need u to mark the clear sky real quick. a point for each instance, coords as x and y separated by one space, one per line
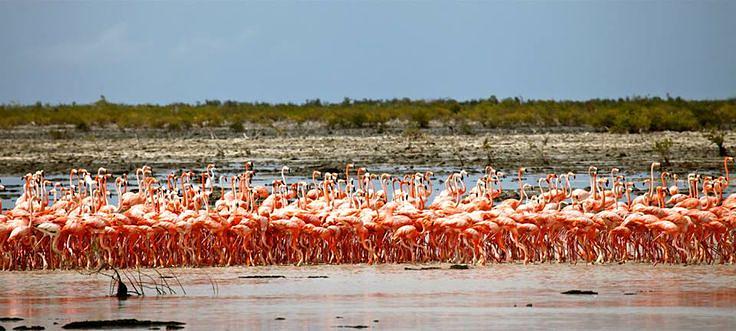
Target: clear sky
164 52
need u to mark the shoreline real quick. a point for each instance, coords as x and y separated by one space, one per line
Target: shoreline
60 148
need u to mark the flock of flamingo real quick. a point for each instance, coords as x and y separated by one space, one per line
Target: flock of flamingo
363 218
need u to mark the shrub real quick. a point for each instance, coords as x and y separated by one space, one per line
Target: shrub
174 127
59 134
466 129
357 119
82 126
717 137
620 115
237 127
663 148
412 132
421 118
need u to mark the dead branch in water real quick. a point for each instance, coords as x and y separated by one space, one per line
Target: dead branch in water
138 281
215 286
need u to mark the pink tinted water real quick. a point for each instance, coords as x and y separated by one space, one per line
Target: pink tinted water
389 297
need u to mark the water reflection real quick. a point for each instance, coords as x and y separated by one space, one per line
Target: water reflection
663 297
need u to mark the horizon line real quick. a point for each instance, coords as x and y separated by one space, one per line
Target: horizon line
319 101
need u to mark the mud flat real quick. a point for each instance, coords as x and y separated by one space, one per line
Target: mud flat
57 149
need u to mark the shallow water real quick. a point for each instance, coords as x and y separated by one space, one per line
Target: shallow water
14 184
664 297
484 297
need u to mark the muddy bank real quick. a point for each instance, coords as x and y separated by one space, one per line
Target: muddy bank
56 149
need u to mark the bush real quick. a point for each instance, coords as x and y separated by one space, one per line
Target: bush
357 119
237 127
466 129
620 115
412 132
717 137
82 126
59 134
173 127
421 118
663 148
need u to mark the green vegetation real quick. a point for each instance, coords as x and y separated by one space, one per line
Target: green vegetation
664 149
620 115
237 127
717 137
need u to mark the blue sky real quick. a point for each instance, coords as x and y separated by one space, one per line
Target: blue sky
164 52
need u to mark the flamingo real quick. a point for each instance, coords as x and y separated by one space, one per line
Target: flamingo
334 220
